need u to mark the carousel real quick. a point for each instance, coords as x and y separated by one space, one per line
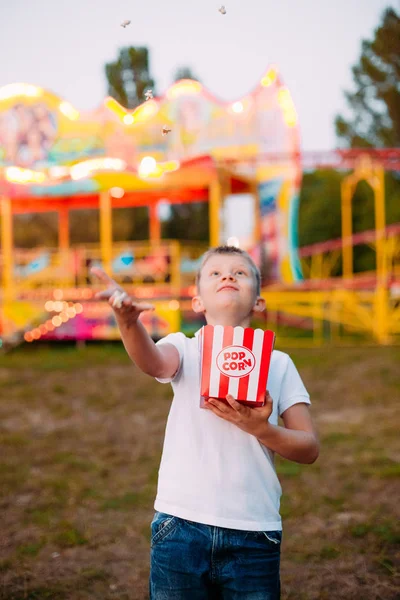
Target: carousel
183 147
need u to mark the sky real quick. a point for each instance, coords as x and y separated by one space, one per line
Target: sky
63 45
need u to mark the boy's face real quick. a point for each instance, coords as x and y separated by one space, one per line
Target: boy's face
227 293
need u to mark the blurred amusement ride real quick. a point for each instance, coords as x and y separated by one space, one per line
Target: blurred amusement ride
241 157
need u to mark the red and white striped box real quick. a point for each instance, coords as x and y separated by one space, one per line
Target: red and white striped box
234 360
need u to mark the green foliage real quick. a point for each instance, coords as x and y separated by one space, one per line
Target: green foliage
125 502
184 73
5 565
40 593
328 552
31 549
94 574
319 215
187 222
129 76
375 103
65 358
69 536
288 468
128 224
320 211
385 532
32 230
131 223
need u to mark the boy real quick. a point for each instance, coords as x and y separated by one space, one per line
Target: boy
217 532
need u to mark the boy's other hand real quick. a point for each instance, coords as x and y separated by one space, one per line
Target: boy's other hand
122 304
251 420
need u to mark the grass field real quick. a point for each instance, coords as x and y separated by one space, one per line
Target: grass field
81 432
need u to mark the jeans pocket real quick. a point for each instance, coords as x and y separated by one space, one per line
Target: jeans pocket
275 537
161 526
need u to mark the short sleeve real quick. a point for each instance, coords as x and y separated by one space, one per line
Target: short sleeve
177 340
293 389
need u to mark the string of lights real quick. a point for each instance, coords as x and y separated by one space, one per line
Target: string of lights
64 312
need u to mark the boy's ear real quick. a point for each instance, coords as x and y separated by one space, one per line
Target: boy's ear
259 305
197 304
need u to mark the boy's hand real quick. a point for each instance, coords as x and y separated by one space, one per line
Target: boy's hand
123 305
251 420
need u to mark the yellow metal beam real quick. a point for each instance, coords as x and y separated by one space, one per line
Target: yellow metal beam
63 228
155 224
7 248
374 175
347 228
257 214
214 212
175 252
378 186
106 231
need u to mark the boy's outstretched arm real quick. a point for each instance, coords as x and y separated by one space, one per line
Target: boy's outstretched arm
163 361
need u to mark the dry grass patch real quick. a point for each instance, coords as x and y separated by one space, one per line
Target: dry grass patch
81 433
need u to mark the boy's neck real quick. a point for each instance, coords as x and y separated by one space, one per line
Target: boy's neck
228 321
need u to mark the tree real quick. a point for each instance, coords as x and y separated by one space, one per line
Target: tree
320 212
319 215
185 73
375 105
128 77
376 100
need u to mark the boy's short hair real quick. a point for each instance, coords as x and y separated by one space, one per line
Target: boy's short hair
230 250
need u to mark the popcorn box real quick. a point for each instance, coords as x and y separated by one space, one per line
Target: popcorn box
234 360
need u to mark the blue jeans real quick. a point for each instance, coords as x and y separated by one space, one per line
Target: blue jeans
191 561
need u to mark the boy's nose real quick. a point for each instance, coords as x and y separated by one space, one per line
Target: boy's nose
230 276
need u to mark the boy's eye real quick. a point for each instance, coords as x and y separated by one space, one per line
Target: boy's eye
215 273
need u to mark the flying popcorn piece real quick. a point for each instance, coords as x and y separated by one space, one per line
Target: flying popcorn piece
165 130
125 24
149 94
222 10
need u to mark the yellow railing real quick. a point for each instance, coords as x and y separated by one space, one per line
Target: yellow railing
169 265
334 316
301 317
325 264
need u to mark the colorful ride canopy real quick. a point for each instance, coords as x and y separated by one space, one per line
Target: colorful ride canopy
49 149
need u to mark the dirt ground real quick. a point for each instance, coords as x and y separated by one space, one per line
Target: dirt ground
81 433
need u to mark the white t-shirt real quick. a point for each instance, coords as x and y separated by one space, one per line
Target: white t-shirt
211 471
